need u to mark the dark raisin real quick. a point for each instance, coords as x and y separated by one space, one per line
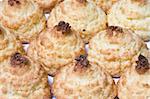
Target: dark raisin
12 2
63 27
142 64
112 29
81 62
18 59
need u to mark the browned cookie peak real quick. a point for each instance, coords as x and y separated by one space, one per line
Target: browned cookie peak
81 1
81 62
63 27
18 60
112 29
142 64
13 2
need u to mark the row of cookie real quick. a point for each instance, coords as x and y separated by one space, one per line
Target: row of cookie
23 77
114 51
89 19
85 80
26 20
20 76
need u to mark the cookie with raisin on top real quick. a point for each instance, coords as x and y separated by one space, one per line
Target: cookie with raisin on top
135 82
132 14
83 80
115 49
22 78
23 18
8 44
84 16
56 47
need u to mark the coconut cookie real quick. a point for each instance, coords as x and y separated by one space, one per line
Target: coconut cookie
135 82
132 14
8 44
115 49
83 16
22 78
56 47
83 80
23 17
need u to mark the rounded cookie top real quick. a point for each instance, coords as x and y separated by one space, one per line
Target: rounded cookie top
135 82
8 44
84 80
22 78
23 17
57 46
132 14
115 48
83 16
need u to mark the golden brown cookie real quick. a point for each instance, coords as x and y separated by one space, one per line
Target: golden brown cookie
132 14
104 4
83 80
135 82
56 47
47 5
115 49
83 16
22 78
8 44
23 17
